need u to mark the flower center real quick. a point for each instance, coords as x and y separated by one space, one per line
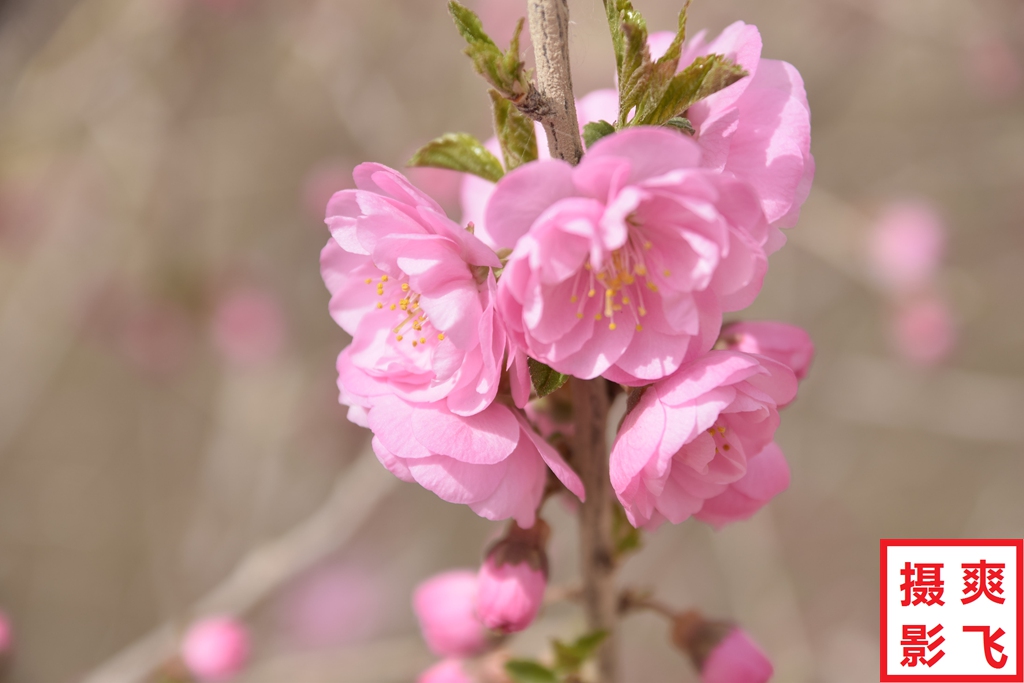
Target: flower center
719 433
413 323
624 280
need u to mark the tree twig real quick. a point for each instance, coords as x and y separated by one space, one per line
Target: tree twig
600 600
549 31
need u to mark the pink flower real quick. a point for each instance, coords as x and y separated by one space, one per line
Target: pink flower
6 634
216 649
510 595
492 461
767 476
924 330
690 435
787 344
623 264
446 608
248 326
906 246
445 671
736 659
414 290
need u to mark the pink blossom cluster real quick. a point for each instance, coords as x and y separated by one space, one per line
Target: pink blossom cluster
621 267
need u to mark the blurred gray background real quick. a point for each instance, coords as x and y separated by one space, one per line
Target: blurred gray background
163 160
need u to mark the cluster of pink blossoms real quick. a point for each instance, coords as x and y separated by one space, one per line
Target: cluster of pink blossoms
620 267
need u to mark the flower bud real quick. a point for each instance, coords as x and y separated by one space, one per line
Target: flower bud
215 649
446 671
446 608
513 578
721 651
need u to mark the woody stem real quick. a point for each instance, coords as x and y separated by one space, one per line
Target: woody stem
549 31
597 550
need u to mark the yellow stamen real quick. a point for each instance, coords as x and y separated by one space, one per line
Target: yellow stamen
380 305
611 326
392 307
667 273
369 280
579 315
383 278
440 337
726 447
573 299
597 317
625 301
591 293
642 311
639 327
399 338
405 286
651 286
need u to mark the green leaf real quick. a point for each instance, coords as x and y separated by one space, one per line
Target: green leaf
545 380
459 152
505 71
515 132
595 130
706 76
569 658
662 71
682 123
528 671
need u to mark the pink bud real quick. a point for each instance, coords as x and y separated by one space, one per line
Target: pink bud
216 649
906 245
6 635
510 595
248 326
787 344
446 608
924 331
446 671
736 659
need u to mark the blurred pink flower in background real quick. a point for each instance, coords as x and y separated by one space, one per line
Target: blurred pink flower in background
767 476
445 671
332 606
993 67
787 344
736 659
6 634
906 246
924 330
248 326
216 649
510 595
445 606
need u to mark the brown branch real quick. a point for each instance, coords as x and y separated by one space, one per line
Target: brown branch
600 600
556 109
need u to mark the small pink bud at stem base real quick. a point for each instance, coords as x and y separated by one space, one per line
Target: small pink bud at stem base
513 578
721 651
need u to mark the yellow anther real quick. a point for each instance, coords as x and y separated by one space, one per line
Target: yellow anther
579 315
591 293
667 273
611 326
628 279
597 316
640 269
625 301
392 307
405 286
647 244
399 338
369 280
423 340
380 305
651 286
726 447
440 336
383 278
380 289
639 327
601 276
414 342
642 311
573 299
586 266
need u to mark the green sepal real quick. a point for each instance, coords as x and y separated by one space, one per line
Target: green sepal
595 130
459 152
515 132
706 76
545 380
505 71
570 657
529 671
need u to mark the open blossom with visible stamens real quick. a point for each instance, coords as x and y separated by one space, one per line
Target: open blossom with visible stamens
690 435
622 265
415 291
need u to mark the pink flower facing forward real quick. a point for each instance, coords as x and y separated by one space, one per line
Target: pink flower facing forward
622 265
721 651
445 671
690 435
446 608
787 344
216 649
906 246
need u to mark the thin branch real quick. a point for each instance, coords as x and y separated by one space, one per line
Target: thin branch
600 601
264 569
549 31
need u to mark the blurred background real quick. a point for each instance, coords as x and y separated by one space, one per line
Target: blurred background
170 439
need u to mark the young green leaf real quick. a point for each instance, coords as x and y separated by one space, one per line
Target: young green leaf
505 71
706 76
595 130
545 380
459 152
515 132
569 658
528 671
662 70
